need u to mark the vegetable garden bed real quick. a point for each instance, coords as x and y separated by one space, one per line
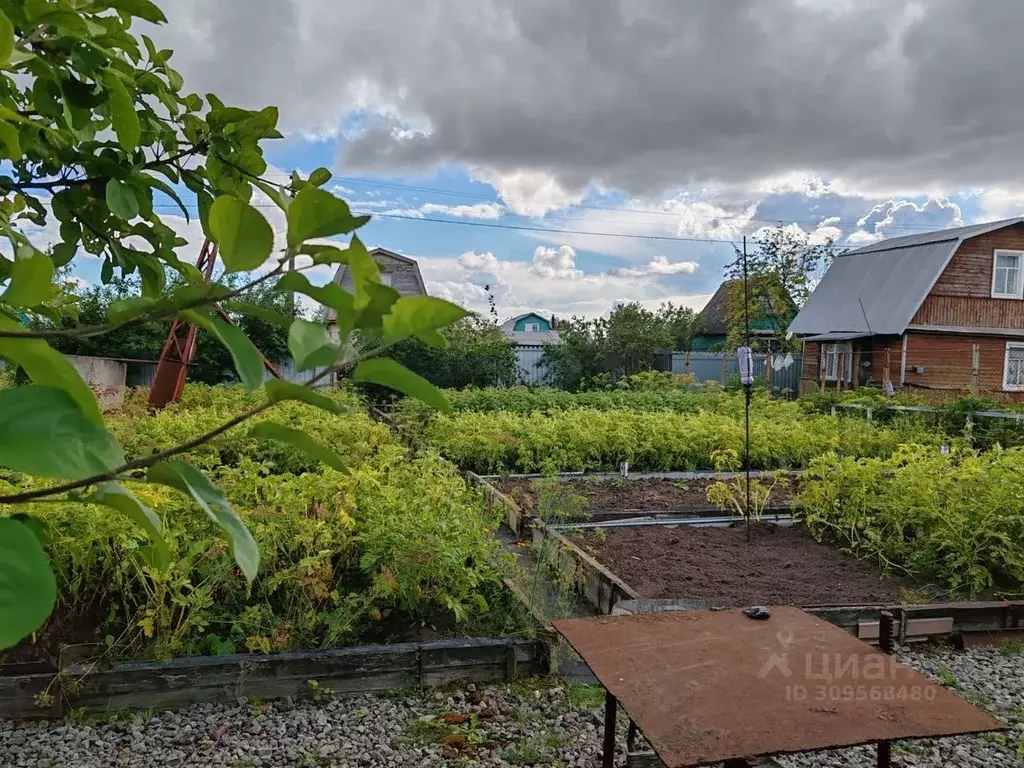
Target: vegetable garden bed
577 499
780 565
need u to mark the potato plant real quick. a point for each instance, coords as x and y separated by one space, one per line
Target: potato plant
956 519
347 556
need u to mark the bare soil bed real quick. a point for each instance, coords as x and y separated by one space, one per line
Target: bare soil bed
780 565
588 495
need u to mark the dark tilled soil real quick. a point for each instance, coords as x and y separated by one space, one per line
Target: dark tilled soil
647 495
781 565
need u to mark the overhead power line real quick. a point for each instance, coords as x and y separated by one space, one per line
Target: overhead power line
595 207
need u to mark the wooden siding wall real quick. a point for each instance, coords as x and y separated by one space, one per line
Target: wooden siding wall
404 275
962 296
947 362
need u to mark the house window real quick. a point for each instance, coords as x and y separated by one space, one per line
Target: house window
1013 367
832 353
533 327
1007 271
385 279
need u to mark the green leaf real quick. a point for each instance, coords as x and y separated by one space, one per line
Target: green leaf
189 480
116 496
274 193
267 315
325 254
144 9
168 190
123 310
381 370
44 432
319 177
41 530
31 279
28 591
416 315
47 367
9 139
330 295
311 345
279 390
315 213
295 437
121 200
244 236
7 39
364 271
248 360
122 114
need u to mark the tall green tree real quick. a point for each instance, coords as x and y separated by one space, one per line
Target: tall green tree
626 342
782 267
95 127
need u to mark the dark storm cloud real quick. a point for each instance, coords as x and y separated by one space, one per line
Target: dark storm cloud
641 95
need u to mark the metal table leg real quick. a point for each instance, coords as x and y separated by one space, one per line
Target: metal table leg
884 754
887 644
610 709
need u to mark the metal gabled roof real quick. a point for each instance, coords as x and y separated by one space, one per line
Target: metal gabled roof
877 289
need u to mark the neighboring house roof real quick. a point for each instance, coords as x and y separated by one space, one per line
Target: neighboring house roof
510 324
713 319
382 255
532 338
878 288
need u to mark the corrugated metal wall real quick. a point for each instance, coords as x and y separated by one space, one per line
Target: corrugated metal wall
142 374
529 367
709 366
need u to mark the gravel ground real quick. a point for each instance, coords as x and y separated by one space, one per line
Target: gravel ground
533 722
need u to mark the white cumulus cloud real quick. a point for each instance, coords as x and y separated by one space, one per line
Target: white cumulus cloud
559 263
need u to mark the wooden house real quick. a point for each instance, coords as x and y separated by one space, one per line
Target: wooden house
941 312
397 271
767 322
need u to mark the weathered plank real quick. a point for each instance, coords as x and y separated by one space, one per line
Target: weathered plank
181 682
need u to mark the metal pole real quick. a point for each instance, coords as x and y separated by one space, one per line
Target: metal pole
610 706
747 388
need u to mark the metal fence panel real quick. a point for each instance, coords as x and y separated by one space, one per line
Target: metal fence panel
142 374
528 365
716 366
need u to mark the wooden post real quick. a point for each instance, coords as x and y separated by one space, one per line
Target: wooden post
975 368
840 371
821 367
886 376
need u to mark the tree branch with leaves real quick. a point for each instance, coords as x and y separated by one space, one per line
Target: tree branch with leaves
94 125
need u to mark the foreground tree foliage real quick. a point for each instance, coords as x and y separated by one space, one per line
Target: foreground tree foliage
94 125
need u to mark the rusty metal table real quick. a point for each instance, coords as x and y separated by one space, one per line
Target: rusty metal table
708 687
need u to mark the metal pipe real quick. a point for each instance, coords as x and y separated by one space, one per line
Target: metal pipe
696 522
887 645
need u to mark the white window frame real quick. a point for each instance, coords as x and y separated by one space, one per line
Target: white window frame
830 350
1019 294
532 327
388 279
1007 386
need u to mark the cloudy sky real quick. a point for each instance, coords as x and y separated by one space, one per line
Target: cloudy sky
574 153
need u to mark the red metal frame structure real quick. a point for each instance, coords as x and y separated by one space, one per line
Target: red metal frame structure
178 351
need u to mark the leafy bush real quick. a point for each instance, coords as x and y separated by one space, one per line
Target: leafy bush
348 556
956 519
590 439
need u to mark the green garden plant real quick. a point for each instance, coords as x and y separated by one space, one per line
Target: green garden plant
94 125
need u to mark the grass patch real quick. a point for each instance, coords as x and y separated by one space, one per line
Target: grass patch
428 731
1012 648
584 696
